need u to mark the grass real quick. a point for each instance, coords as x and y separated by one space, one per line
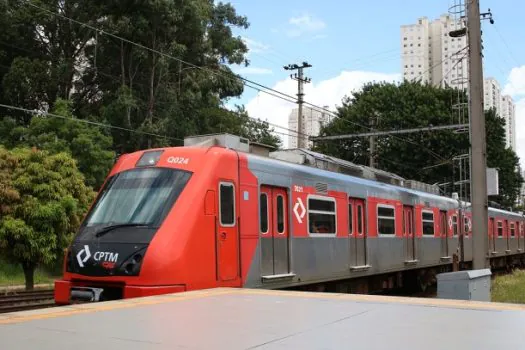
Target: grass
11 274
509 288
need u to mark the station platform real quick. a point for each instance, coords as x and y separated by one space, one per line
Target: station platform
265 319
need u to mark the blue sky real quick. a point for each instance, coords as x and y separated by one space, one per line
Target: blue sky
361 38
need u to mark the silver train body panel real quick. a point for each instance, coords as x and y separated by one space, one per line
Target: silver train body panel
285 262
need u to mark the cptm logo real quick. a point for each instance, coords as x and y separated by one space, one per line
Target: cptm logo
108 259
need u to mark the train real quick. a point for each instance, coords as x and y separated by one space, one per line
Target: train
223 212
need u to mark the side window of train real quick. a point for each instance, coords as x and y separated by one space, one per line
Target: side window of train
350 218
321 215
386 220
263 207
227 204
500 229
360 219
428 222
280 214
512 229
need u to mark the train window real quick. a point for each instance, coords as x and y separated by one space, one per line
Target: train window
465 224
386 220
512 229
263 215
350 219
280 214
321 215
500 229
428 222
227 204
359 218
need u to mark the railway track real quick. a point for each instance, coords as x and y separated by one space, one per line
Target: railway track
26 300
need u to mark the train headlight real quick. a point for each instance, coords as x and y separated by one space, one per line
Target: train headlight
149 158
131 266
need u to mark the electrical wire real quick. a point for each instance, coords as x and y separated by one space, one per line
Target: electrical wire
34 112
246 81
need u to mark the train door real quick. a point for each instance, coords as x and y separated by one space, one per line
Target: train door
227 234
443 225
492 236
409 233
357 232
274 231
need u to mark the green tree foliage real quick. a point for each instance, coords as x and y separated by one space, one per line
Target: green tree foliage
424 156
90 147
44 198
121 82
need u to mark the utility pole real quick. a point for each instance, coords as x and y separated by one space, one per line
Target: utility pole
301 80
478 167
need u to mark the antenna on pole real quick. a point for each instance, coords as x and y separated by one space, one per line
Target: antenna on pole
301 80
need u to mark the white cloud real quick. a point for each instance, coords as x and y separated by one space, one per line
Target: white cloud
520 130
303 24
255 46
515 82
329 93
253 71
515 87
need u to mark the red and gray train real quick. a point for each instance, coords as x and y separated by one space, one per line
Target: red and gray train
196 217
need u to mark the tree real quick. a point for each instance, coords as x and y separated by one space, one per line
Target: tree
502 158
424 156
142 89
46 200
237 122
89 145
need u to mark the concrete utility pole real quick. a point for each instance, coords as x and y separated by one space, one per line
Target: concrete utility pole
478 167
301 80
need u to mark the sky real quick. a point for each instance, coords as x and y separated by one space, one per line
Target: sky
349 43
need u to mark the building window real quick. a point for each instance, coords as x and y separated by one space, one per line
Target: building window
386 220
227 204
428 223
321 215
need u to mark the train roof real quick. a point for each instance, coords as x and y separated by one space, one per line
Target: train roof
379 180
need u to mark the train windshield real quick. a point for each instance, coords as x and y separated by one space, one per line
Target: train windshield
139 196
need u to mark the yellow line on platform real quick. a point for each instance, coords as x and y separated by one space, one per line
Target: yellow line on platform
69 310
24 316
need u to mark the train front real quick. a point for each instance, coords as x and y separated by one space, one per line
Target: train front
111 256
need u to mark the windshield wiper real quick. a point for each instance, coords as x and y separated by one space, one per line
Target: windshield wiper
106 229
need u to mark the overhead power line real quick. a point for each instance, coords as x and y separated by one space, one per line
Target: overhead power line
247 82
389 132
38 112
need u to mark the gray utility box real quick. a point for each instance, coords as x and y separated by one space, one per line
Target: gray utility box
465 285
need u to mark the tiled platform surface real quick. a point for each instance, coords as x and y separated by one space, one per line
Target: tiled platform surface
262 319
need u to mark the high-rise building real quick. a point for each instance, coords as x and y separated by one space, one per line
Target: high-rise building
508 113
312 121
430 54
492 95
